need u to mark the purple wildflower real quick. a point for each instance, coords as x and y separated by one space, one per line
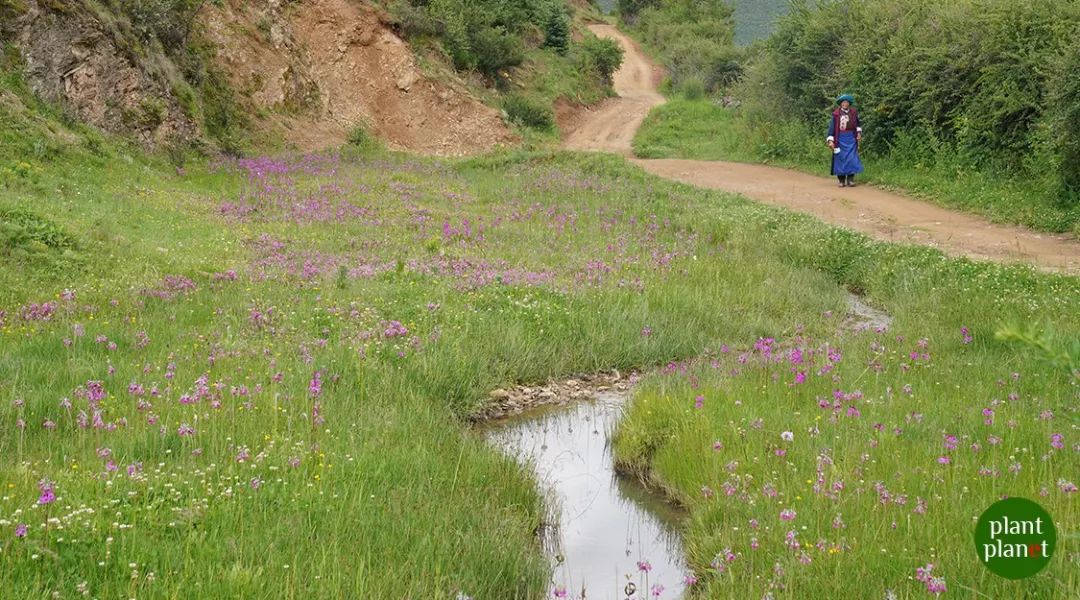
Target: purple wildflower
48 495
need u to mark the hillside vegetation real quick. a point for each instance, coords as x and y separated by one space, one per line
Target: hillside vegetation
973 103
692 39
233 76
533 52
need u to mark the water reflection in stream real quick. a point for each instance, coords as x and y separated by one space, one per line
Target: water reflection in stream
612 535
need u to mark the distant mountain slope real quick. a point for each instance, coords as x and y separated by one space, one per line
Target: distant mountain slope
755 19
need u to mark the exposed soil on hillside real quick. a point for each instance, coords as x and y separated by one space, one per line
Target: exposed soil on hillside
873 211
317 69
308 71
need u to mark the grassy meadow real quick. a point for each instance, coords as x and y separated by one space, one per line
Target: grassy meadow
813 466
254 377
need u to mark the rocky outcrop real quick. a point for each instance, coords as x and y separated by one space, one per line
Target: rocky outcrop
505 402
75 58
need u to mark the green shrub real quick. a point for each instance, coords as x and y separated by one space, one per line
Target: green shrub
485 36
363 140
168 21
23 170
148 115
222 118
693 39
457 42
692 89
23 228
1065 102
177 149
715 65
496 49
358 136
413 19
600 58
628 9
528 112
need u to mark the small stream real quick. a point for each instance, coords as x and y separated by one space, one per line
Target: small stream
608 537
605 524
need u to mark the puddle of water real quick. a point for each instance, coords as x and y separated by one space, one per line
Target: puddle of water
605 523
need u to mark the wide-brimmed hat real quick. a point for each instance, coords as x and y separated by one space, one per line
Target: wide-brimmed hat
847 97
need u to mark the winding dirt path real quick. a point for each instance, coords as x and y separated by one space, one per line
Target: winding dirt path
610 128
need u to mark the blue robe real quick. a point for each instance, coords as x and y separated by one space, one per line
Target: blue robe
845 162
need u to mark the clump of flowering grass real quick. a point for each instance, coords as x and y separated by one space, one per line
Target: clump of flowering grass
882 458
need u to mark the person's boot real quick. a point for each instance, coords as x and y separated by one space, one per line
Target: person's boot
851 181
842 179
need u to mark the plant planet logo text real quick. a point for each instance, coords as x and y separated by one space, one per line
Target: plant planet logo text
1015 538
1005 528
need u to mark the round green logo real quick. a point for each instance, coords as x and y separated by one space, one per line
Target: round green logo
1015 538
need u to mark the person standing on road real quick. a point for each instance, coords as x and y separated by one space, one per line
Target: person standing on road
844 137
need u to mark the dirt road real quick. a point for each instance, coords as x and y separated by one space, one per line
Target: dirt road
611 126
878 213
